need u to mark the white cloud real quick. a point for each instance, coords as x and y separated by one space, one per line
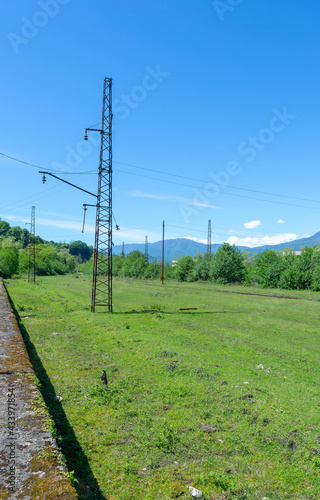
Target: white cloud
61 224
173 198
252 224
127 234
197 240
54 214
135 236
265 240
280 221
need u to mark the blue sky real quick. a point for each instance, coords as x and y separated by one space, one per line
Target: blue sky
216 116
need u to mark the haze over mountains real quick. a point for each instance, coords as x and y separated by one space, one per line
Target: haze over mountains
176 248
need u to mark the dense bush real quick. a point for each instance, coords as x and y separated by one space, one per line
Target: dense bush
184 267
134 265
50 260
228 265
80 250
286 270
9 261
202 268
268 268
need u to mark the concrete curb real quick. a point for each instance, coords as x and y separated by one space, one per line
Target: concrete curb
31 466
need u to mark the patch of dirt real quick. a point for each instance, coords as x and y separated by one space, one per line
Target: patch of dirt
209 428
172 366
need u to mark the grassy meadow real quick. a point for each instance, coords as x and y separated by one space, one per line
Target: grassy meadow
224 396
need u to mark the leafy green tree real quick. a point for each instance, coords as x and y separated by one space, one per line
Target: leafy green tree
25 238
168 271
268 268
202 267
228 265
65 258
134 265
117 261
184 267
87 267
315 262
9 261
262 265
23 260
15 232
80 249
4 227
38 240
300 274
153 271
10 242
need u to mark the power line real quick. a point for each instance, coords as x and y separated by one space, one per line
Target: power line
206 182
89 172
5 207
225 194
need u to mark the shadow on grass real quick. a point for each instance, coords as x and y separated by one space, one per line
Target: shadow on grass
75 457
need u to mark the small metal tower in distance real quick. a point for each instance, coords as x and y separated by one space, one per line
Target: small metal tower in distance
146 252
122 251
209 237
162 265
102 263
32 248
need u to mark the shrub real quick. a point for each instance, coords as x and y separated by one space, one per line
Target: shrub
9 261
183 269
228 265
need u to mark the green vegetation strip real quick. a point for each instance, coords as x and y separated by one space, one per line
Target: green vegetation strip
223 397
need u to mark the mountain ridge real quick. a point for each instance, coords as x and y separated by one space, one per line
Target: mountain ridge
177 247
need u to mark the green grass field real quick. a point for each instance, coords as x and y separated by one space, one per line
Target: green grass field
186 403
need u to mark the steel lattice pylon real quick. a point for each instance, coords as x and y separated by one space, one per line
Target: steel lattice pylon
209 237
102 263
32 247
146 253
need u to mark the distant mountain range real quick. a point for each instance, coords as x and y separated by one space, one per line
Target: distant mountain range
178 247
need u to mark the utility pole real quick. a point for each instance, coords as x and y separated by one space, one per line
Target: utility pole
162 273
209 237
102 260
122 253
32 248
146 253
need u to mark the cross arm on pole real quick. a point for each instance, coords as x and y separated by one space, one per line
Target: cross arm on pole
63 180
92 129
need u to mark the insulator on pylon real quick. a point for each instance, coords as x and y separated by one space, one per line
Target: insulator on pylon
84 216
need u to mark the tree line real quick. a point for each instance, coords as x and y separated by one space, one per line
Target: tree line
51 258
270 269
